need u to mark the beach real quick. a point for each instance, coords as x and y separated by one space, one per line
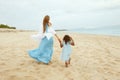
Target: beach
94 57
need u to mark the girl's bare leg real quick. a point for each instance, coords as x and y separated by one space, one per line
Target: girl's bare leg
66 64
69 60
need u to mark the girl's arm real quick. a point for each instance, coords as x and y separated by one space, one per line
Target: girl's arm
72 41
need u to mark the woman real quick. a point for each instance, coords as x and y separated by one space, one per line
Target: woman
45 50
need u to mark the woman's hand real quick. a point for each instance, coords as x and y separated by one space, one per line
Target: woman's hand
61 45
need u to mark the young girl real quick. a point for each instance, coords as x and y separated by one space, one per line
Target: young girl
66 51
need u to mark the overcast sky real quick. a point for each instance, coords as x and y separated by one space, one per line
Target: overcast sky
28 14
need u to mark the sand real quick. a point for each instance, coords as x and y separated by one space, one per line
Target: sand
94 57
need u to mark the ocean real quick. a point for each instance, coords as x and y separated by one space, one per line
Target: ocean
114 31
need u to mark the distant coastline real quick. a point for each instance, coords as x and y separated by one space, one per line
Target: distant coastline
5 26
61 30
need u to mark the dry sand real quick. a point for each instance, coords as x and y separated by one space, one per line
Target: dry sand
94 57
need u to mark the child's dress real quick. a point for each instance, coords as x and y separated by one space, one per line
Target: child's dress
66 51
45 50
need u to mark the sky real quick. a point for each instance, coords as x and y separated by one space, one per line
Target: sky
64 14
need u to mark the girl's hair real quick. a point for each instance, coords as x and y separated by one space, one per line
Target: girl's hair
66 38
45 21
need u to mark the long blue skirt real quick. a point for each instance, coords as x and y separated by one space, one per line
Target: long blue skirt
44 52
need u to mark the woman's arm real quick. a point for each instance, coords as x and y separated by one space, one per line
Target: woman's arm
59 40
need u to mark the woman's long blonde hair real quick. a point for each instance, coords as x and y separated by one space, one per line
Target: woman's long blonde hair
45 21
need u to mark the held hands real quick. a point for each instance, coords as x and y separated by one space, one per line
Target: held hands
59 40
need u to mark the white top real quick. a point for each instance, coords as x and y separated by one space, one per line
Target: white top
50 32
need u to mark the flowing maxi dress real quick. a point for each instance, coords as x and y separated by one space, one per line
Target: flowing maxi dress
45 50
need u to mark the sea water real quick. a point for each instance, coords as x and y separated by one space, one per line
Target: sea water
115 31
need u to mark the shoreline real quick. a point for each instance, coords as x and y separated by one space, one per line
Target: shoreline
58 31
15 30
